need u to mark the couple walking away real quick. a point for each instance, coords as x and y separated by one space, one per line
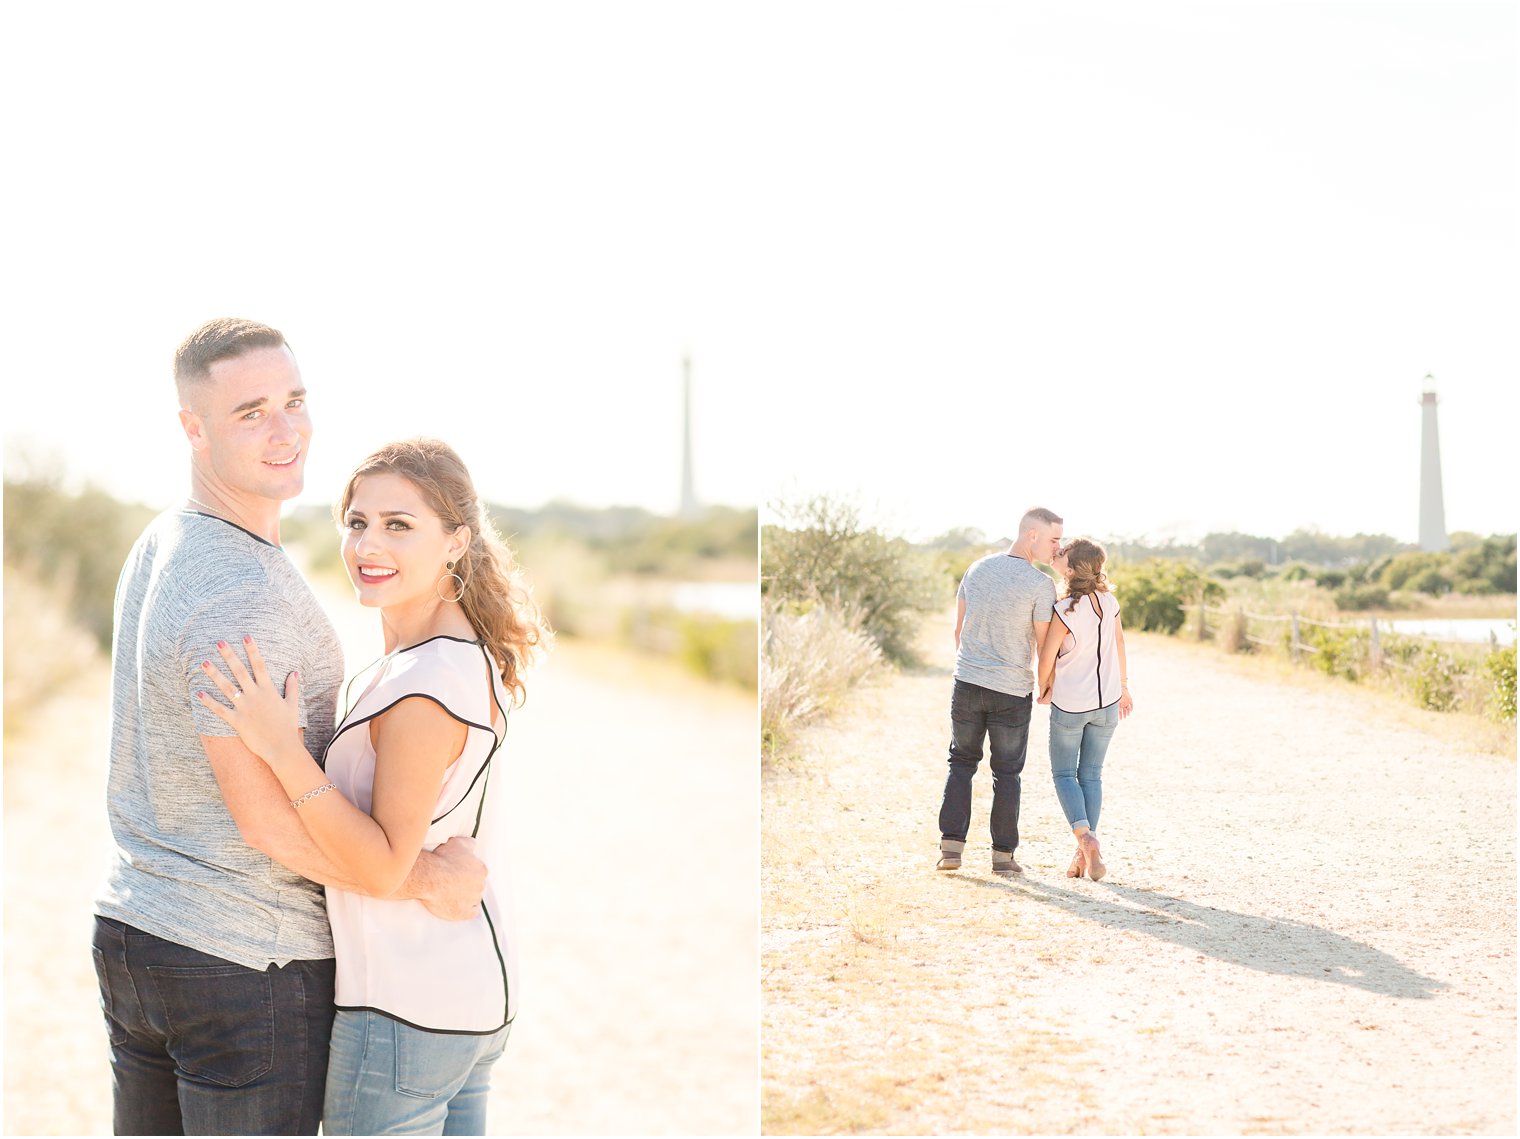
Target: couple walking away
1008 622
237 999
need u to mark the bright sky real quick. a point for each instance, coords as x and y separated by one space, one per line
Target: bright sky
1165 268
504 225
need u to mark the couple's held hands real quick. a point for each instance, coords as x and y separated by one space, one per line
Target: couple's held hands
268 721
1126 701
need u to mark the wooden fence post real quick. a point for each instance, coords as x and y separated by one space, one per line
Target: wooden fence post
1377 649
1294 647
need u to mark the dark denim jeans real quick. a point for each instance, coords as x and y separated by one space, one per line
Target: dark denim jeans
202 1046
978 713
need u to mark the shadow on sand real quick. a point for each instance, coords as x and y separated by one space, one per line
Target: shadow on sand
1272 945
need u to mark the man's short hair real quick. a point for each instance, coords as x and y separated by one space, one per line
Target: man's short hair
1039 516
221 339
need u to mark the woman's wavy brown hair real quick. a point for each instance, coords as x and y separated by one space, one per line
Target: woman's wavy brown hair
496 599
1085 558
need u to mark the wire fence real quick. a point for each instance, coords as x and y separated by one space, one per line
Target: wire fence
1438 673
1286 632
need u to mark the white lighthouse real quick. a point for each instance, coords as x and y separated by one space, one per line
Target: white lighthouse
1432 505
690 508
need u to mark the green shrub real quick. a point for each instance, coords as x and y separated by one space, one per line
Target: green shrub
1435 679
826 554
1154 592
631 540
1245 567
1421 570
1352 597
678 546
1500 666
720 648
1336 651
1401 650
1324 550
1431 581
1486 566
1444 677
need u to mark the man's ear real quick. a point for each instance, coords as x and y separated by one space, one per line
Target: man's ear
194 429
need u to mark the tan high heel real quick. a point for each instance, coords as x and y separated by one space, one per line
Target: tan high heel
1093 857
1077 864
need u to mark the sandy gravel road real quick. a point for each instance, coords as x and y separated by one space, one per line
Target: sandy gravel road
1308 924
635 854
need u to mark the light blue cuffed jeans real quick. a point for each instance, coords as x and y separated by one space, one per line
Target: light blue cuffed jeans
387 1078
1078 743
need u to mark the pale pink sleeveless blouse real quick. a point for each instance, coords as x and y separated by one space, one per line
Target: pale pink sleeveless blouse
394 957
1087 664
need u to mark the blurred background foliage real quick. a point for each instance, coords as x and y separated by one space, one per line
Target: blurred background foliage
72 545
682 588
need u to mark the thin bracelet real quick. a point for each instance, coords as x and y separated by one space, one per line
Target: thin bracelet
313 793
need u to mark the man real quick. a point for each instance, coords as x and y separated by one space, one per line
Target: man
1002 609
211 939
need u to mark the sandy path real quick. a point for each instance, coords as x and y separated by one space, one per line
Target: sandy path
1308 924
635 855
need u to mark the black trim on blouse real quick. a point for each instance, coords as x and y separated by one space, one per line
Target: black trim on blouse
423 1027
485 770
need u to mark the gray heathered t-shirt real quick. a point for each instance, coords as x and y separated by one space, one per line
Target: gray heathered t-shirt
180 869
1004 596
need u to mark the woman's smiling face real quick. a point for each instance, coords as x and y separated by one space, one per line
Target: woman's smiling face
395 545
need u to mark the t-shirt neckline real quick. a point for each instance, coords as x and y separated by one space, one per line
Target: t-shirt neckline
235 526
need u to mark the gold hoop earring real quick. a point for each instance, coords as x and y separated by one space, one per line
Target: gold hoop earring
438 585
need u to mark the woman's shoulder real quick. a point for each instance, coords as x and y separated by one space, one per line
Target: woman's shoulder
445 658
449 670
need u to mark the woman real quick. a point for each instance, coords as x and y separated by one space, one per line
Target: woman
1084 679
424 1005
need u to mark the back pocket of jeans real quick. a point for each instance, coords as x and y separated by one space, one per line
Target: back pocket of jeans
114 1030
220 1019
432 1064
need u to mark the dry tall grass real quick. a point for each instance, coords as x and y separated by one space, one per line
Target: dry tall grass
808 661
45 648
